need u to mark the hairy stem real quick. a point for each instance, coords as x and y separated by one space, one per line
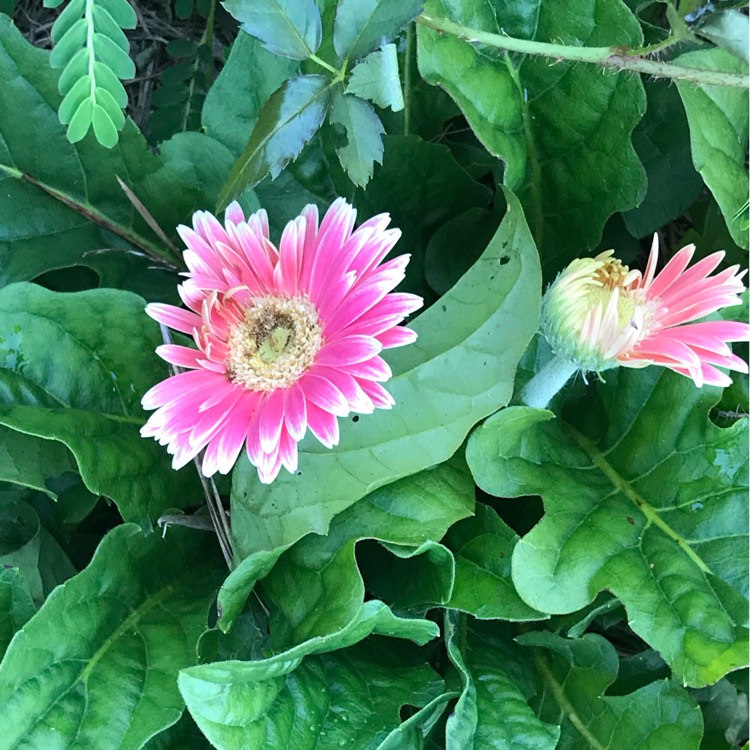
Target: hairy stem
616 58
545 385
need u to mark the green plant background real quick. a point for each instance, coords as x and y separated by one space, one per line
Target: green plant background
462 571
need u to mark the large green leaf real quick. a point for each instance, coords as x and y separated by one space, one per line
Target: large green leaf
27 547
461 369
662 142
486 88
483 546
652 506
422 186
30 461
255 72
16 604
364 25
61 201
563 129
718 136
291 28
522 698
492 712
351 698
85 390
286 123
573 676
316 586
96 666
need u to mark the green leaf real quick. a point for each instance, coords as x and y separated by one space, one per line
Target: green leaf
717 116
184 735
457 245
105 129
291 28
563 130
121 11
725 714
573 676
485 88
29 461
89 40
325 702
287 121
662 524
363 134
29 547
103 652
20 544
376 78
729 29
662 142
85 391
447 381
492 712
364 25
409 513
257 73
16 605
67 19
316 586
61 201
483 546
422 186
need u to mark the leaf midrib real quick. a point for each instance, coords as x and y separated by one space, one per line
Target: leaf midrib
626 488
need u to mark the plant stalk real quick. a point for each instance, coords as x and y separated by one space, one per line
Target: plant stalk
617 58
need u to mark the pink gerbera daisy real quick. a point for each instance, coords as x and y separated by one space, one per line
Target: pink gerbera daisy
288 339
598 314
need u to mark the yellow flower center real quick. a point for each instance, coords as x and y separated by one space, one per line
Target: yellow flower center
275 343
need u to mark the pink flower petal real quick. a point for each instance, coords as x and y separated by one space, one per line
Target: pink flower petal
234 213
397 337
181 356
379 396
323 425
323 394
270 420
180 320
295 411
347 350
373 369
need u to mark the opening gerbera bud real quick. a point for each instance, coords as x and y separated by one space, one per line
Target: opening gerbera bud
599 314
594 310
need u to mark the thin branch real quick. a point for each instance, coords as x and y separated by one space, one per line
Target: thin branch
146 215
616 58
94 216
219 517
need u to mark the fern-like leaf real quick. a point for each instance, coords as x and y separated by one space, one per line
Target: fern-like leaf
92 51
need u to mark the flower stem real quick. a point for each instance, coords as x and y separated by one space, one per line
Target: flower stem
407 78
543 387
617 57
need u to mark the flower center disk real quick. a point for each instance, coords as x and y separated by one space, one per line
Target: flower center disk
274 344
